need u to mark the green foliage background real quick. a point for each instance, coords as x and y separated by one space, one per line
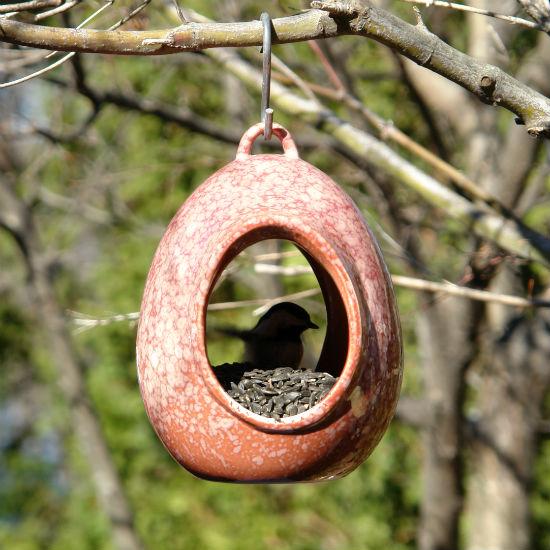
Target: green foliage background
147 168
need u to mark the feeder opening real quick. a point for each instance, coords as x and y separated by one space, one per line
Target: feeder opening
276 328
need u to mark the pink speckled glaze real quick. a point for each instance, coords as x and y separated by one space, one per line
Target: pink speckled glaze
253 198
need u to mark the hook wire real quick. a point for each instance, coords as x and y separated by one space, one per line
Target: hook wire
267 112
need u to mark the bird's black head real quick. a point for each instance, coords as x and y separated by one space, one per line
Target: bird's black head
286 318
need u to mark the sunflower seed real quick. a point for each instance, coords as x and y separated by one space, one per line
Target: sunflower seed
274 393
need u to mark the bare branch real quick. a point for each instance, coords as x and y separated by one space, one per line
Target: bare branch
462 7
38 73
539 10
509 234
28 6
59 62
181 116
490 84
130 15
470 293
388 131
421 284
189 37
13 60
327 66
287 270
66 6
264 303
85 322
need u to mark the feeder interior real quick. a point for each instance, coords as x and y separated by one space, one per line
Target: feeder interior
265 265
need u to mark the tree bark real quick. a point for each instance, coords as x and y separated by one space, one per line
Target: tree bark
513 383
17 219
446 335
513 374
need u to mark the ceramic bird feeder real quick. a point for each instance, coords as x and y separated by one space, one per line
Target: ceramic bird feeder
257 197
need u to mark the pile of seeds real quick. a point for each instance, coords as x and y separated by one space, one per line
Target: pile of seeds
275 393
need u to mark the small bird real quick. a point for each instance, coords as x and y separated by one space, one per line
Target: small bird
276 340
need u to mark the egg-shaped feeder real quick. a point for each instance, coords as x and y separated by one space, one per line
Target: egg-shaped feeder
253 198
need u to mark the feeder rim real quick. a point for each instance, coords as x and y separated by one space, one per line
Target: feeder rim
316 246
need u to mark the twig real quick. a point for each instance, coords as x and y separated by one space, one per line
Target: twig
282 270
471 293
71 205
506 233
180 13
22 59
388 130
132 14
422 284
277 255
327 66
221 306
66 58
85 322
297 80
59 62
461 7
181 116
27 6
539 10
38 73
56 11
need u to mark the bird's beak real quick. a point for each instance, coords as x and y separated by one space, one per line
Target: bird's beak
312 325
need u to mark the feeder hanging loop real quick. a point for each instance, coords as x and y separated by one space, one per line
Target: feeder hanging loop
267 112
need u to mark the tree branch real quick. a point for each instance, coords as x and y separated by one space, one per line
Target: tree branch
539 10
188 37
490 84
461 7
509 234
27 6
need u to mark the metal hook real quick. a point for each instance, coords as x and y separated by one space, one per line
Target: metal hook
267 112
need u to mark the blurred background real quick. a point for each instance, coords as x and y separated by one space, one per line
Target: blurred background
95 159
